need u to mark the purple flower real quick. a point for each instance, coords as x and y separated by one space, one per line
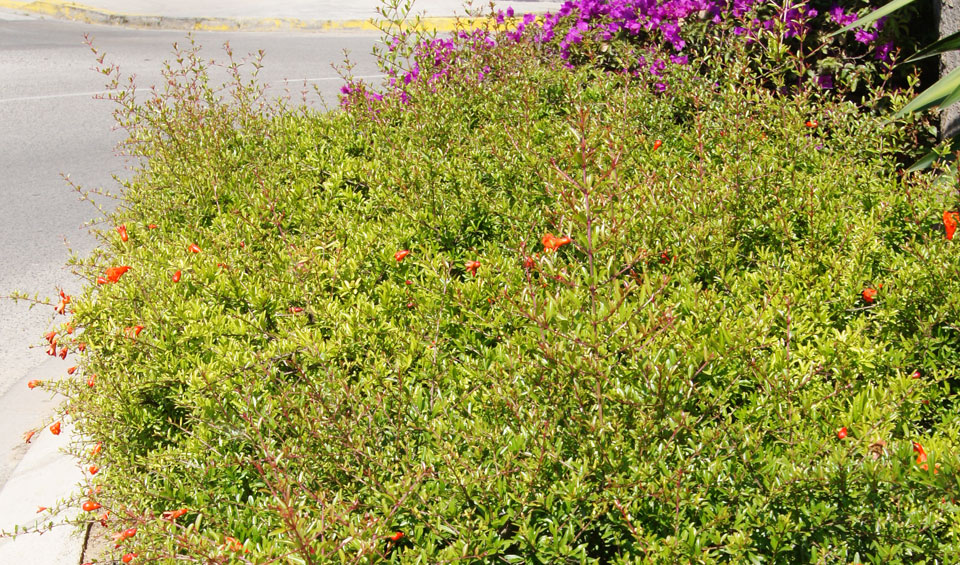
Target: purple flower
660 87
864 36
838 15
883 52
825 81
509 11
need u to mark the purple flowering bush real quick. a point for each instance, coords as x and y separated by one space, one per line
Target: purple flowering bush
788 44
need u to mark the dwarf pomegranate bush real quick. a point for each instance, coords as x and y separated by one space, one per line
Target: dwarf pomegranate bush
524 313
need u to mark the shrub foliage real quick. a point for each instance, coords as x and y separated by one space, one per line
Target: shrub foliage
745 275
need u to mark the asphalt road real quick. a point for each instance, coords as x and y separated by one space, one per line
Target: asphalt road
50 125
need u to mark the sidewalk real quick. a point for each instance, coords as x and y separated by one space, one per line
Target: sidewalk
249 15
44 477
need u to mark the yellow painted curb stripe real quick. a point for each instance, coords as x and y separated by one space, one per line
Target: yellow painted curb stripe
87 14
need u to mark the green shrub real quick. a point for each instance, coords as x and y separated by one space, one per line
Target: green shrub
667 387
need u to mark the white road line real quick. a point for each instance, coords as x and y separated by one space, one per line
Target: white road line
50 96
102 92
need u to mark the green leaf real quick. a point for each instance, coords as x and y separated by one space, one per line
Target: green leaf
952 99
948 43
937 154
874 15
940 91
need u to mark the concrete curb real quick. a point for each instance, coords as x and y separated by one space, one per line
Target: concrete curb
87 14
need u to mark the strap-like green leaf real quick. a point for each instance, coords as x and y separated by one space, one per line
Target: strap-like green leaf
952 99
948 43
940 91
874 15
934 155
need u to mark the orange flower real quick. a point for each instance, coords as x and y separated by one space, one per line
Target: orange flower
657 144
63 352
194 248
94 469
869 295
55 428
472 266
90 506
114 273
552 242
91 380
172 515
396 536
152 227
72 370
176 277
34 383
122 230
842 432
133 331
232 544
51 336
921 454
950 220
52 350
96 449
28 436
811 123
41 509
399 255
81 347
128 557
101 280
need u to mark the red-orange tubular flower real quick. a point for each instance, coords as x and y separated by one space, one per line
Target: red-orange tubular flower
950 220
552 242
172 515
114 273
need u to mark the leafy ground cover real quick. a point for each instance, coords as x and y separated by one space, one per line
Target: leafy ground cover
516 308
